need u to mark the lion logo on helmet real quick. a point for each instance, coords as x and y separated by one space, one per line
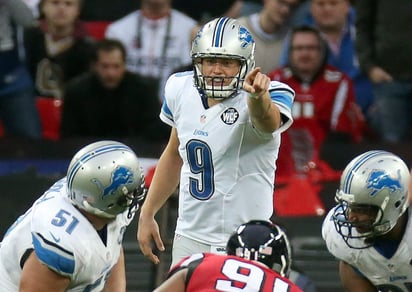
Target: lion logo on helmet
120 177
245 37
380 179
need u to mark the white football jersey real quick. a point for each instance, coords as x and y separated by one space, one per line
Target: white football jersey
64 240
228 165
393 274
155 47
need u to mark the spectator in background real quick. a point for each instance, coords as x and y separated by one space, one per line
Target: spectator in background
18 110
157 40
110 102
34 6
335 19
269 28
203 11
250 6
106 10
324 106
59 48
384 50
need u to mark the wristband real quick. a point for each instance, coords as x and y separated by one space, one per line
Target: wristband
254 95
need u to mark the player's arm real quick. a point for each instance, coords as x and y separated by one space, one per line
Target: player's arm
264 113
117 279
176 283
164 183
352 281
36 276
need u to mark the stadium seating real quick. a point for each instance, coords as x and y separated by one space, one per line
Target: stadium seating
50 116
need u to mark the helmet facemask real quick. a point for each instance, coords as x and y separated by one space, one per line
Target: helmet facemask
359 234
205 83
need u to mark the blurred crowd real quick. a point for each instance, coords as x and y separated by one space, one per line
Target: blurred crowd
106 64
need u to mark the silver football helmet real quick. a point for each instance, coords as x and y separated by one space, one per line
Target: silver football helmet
105 178
222 38
375 182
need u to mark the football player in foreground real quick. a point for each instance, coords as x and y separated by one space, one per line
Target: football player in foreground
370 230
71 238
259 259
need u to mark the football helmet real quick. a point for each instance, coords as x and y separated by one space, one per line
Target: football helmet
377 182
262 241
105 178
222 38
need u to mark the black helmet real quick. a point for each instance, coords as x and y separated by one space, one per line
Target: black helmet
262 241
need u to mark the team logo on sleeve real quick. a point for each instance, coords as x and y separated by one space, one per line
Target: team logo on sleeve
230 116
120 177
380 179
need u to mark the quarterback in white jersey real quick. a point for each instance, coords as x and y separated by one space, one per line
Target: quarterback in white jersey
157 39
224 141
370 230
71 238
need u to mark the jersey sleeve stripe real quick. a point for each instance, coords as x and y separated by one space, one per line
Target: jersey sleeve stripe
52 255
282 96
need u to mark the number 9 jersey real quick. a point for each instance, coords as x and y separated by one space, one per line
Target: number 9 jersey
228 165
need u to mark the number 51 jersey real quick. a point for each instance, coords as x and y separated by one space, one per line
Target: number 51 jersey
64 240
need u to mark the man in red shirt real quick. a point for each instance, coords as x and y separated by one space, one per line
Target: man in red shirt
324 104
258 260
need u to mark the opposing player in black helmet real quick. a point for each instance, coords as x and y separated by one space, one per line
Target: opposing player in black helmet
258 260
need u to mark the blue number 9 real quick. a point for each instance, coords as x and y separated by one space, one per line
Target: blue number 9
200 161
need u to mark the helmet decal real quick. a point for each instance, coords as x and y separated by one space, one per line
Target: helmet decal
105 179
245 36
120 177
218 34
360 161
87 156
197 37
380 179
